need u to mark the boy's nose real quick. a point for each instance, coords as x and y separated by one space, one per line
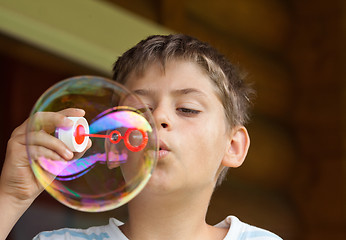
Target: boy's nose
161 117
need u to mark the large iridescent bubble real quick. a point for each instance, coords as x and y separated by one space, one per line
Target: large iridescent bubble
122 155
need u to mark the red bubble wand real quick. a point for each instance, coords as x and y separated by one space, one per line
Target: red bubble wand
115 137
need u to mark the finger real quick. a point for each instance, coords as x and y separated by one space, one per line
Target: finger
72 112
20 130
48 121
40 151
41 138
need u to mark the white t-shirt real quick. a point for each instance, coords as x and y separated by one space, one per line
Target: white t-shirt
237 231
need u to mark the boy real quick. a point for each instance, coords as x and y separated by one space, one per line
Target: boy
200 105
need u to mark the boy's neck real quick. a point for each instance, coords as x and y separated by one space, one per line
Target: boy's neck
171 216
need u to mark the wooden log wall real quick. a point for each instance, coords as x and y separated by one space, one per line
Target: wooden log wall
294 53
293 181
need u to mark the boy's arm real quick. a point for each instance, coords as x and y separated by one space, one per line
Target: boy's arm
18 185
11 210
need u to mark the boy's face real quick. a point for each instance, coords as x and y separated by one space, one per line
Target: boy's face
191 125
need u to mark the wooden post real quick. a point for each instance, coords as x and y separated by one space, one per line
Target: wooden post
315 57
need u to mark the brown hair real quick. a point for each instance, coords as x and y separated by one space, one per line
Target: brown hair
230 86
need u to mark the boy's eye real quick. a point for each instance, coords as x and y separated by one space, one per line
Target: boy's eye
143 110
188 111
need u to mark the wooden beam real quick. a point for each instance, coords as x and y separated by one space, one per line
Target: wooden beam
89 32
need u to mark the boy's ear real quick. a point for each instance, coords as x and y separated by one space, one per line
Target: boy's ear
237 148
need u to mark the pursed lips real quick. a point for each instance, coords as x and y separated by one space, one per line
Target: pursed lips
163 150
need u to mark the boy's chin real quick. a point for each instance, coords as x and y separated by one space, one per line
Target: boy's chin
161 183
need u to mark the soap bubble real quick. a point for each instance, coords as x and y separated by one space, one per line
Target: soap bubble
124 145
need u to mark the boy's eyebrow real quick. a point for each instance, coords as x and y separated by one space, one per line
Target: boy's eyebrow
184 91
143 92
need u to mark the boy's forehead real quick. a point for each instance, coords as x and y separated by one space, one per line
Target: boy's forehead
155 84
178 73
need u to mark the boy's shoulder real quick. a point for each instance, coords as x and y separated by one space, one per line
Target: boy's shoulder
237 231
110 231
242 231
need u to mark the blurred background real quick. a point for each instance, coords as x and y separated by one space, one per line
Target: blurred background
294 179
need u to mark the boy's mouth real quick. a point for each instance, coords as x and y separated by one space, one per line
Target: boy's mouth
163 150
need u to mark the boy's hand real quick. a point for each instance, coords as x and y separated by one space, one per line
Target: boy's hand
17 179
18 184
